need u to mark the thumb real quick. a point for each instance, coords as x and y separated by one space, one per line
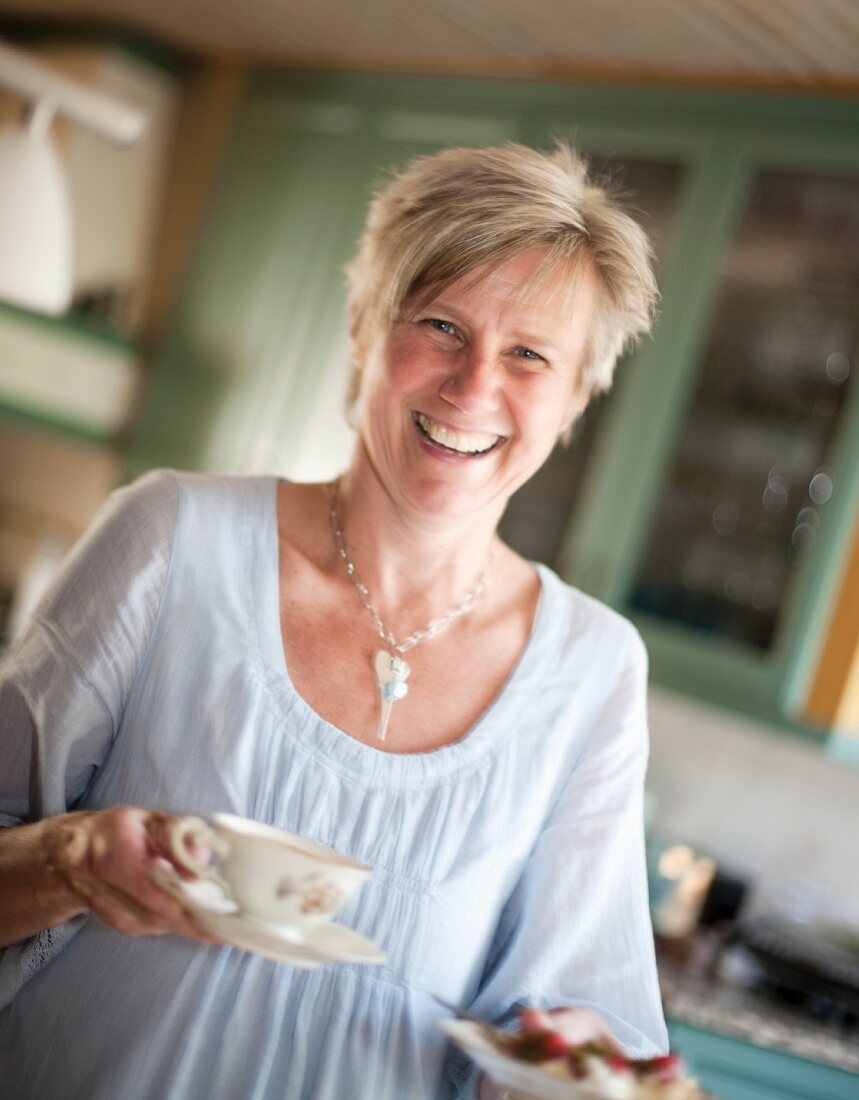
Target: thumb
533 1020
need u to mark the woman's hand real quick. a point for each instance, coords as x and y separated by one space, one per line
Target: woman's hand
106 858
93 860
574 1025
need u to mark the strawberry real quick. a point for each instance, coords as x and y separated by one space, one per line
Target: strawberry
554 1044
669 1067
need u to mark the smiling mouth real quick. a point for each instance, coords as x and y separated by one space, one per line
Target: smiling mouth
466 444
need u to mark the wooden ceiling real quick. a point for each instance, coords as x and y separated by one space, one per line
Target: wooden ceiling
803 44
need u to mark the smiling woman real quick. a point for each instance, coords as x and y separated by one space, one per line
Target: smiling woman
489 372
366 664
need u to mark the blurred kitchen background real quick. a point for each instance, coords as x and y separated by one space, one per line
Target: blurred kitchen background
713 496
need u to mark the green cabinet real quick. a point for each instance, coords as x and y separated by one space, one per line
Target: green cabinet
688 499
730 1069
725 545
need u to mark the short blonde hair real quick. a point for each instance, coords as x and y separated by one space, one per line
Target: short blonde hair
450 213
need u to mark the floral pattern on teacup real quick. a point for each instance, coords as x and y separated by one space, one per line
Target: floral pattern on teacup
322 899
316 896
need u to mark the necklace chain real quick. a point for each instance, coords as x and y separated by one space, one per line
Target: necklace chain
435 626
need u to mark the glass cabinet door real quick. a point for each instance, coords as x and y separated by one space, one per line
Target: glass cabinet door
750 475
538 516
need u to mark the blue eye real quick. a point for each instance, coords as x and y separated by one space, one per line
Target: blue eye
526 353
447 327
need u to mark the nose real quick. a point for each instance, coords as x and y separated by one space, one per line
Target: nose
473 384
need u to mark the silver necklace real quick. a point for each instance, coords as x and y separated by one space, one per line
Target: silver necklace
391 669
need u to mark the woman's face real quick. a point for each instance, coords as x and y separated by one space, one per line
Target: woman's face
463 401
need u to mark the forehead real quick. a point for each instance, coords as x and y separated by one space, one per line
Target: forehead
523 291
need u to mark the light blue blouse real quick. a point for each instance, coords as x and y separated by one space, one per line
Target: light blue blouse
508 866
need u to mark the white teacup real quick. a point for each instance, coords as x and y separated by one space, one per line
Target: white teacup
273 875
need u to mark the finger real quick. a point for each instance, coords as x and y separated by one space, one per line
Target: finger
581 1025
194 931
184 920
533 1020
125 853
575 1025
106 863
118 863
131 922
125 914
158 828
87 855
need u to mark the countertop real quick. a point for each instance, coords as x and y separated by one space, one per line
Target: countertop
743 1014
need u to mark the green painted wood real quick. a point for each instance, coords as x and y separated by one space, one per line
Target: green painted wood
610 523
633 106
74 325
602 551
719 672
73 328
802 150
815 584
241 340
731 1069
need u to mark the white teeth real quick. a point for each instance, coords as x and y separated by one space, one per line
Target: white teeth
464 442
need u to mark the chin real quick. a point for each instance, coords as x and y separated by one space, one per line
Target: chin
454 501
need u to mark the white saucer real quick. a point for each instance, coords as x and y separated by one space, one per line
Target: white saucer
306 947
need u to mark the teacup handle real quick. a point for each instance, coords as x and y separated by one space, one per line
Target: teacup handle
196 830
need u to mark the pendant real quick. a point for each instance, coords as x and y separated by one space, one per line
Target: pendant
391 675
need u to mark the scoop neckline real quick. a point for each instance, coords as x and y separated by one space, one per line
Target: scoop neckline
337 748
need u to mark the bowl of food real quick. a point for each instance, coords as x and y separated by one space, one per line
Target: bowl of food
543 1066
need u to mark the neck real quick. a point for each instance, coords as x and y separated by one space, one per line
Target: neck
415 565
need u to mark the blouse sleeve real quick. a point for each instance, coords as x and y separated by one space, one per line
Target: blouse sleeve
576 930
64 680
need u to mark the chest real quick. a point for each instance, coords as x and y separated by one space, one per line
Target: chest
331 645
452 680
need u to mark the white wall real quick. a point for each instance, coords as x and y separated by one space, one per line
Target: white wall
761 802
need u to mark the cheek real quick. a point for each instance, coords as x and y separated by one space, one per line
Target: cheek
409 365
544 408
386 380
